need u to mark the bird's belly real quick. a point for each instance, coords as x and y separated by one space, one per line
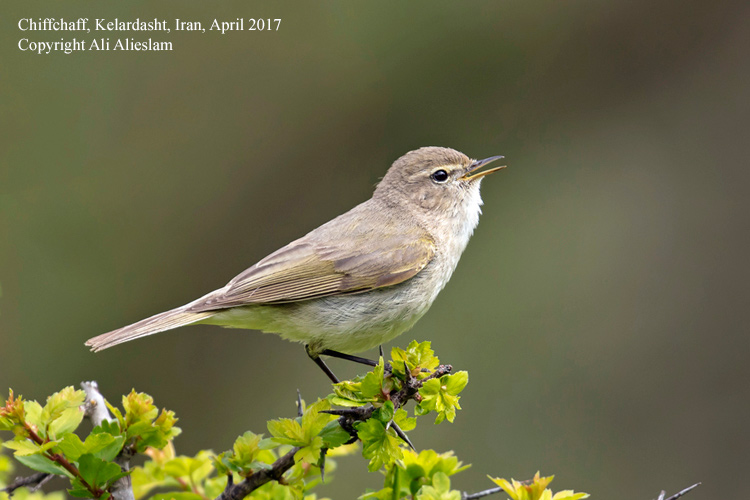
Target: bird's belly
345 323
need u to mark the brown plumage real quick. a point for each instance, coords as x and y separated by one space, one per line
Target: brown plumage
358 280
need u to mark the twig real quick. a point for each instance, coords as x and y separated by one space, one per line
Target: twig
95 409
32 482
58 458
409 390
256 480
679 494
480 494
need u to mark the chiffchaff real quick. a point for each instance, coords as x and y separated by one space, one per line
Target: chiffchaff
359 280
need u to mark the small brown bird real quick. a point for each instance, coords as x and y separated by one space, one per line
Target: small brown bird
359 280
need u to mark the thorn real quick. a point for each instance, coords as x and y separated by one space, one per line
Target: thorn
323 452
381 351
299 404
401 434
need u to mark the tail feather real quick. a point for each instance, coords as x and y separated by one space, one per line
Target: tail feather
155 324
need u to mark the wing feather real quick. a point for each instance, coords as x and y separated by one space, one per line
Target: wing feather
306 269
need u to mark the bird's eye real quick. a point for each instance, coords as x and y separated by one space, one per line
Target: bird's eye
439 176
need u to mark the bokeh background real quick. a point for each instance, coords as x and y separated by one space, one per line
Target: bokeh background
601 307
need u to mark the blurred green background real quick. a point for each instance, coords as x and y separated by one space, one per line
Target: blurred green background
601 307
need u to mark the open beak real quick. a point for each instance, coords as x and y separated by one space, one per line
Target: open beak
477 164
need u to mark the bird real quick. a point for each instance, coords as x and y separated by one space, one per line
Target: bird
357 281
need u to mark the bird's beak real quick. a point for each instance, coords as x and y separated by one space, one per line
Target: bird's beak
477 164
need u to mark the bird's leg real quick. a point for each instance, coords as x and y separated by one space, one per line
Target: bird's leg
348 357
323 366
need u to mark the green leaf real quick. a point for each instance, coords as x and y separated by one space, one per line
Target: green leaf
313 421
379 445
419 468
60 405
418 356
402 419
439 490
248 455
267 444
79 490
385 412
145 479
455 383
535 489
165 422
441 396
117 414
6 424
246 447
384 494
349 403
178 467
303 431
349 393
372 384
215 486
33 414
68 421
108 427
43 464
108 451
72 446
311 453
140 428
23 447
334 435
98 473
287 431
569 495
139 406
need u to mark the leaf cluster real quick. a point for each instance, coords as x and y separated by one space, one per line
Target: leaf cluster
535 489
45 438
286 465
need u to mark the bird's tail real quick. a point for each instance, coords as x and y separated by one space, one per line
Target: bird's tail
155 324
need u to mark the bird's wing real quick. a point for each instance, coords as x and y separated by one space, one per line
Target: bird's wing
316 266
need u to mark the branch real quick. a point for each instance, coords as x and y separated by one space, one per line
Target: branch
263 476
410 390
95 409
258 479
679 494
473 496
32 482
492 491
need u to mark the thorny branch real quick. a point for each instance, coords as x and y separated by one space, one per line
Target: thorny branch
258 479
410 390
347 418
492 491
95 409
